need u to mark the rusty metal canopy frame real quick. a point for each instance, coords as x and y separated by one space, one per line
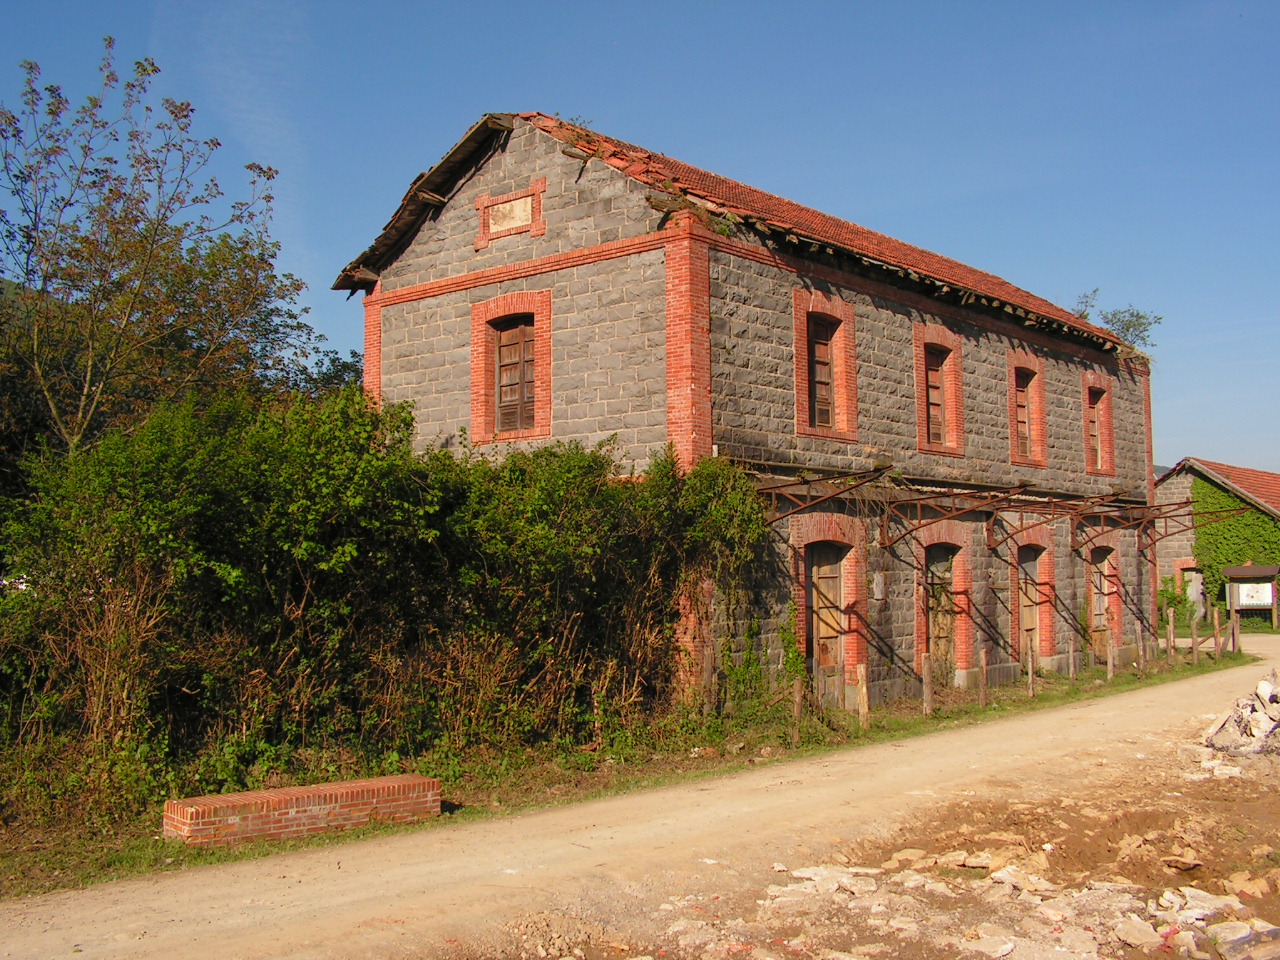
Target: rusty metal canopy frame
803 494
1091 517
910 512
1041 512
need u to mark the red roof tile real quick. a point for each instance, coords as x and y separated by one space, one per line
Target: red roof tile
1258 484
673 176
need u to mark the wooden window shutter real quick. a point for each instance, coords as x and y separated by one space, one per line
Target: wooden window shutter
821 379
515 374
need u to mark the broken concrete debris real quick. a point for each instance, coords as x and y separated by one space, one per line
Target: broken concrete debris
1250 726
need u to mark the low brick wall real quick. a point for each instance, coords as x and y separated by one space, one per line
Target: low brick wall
299 811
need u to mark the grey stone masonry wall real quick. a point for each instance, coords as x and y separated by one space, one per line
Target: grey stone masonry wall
754 403
1176 489
584 205
608 348
608 318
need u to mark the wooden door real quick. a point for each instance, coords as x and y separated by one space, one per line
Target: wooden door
825 654
940 596
1028 615
1101 587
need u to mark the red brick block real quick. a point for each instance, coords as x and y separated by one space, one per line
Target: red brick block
298 811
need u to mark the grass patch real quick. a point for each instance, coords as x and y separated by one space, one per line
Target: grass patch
661 752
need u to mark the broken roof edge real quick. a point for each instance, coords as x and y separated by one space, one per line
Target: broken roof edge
637 163
426 191
1203 467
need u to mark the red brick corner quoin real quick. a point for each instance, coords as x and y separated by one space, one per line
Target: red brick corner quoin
291 812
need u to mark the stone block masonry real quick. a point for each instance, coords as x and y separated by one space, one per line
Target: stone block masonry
290 812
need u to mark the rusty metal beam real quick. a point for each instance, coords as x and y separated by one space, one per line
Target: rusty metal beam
831 487
948 506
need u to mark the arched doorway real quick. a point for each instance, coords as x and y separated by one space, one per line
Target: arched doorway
825 603
1030 597
1103 598
941 607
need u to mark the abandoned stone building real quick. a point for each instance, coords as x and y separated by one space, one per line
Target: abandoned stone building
954 465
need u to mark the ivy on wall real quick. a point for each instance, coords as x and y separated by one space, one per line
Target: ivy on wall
1253 536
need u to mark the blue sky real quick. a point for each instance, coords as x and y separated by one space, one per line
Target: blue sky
1132 147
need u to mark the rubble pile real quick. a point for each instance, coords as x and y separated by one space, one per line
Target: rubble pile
1251 727
955 903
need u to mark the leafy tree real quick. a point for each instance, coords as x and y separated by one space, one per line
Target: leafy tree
128 279
1130 324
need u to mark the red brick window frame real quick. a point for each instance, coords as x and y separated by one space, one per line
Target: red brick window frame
1099 425
1047 592
535 227
487 319
1028 419
952 533
812 528
939 364
826 324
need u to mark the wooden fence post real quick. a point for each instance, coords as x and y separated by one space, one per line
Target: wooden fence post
927 693
1031 670
1195 642
1071 656
1169 643
1217 633
797 708
1111 659
984 658
1235 633
864 698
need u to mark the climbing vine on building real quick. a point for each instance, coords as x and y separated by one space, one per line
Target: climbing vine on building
1253 536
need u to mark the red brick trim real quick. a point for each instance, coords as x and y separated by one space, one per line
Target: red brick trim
653 241
1115 602
955 533
484 346
221 819
806 302
810 528
936 335
526 268
1047 591
906 298
1037 413
1180 566
688 340
537 227
694 636
1092 380
372 378
1144 374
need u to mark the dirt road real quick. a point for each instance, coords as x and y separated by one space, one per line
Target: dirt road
456 890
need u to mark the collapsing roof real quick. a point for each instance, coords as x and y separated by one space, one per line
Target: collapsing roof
756 209
1258 487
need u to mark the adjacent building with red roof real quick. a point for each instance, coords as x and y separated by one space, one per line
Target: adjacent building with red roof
1194 560
953 462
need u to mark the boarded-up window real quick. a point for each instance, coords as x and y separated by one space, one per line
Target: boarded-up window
515 373
821 380
1093 436
1022 410
935 362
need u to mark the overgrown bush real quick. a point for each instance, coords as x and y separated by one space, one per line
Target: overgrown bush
243 594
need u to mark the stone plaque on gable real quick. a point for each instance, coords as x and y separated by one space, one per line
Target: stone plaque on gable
511 215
